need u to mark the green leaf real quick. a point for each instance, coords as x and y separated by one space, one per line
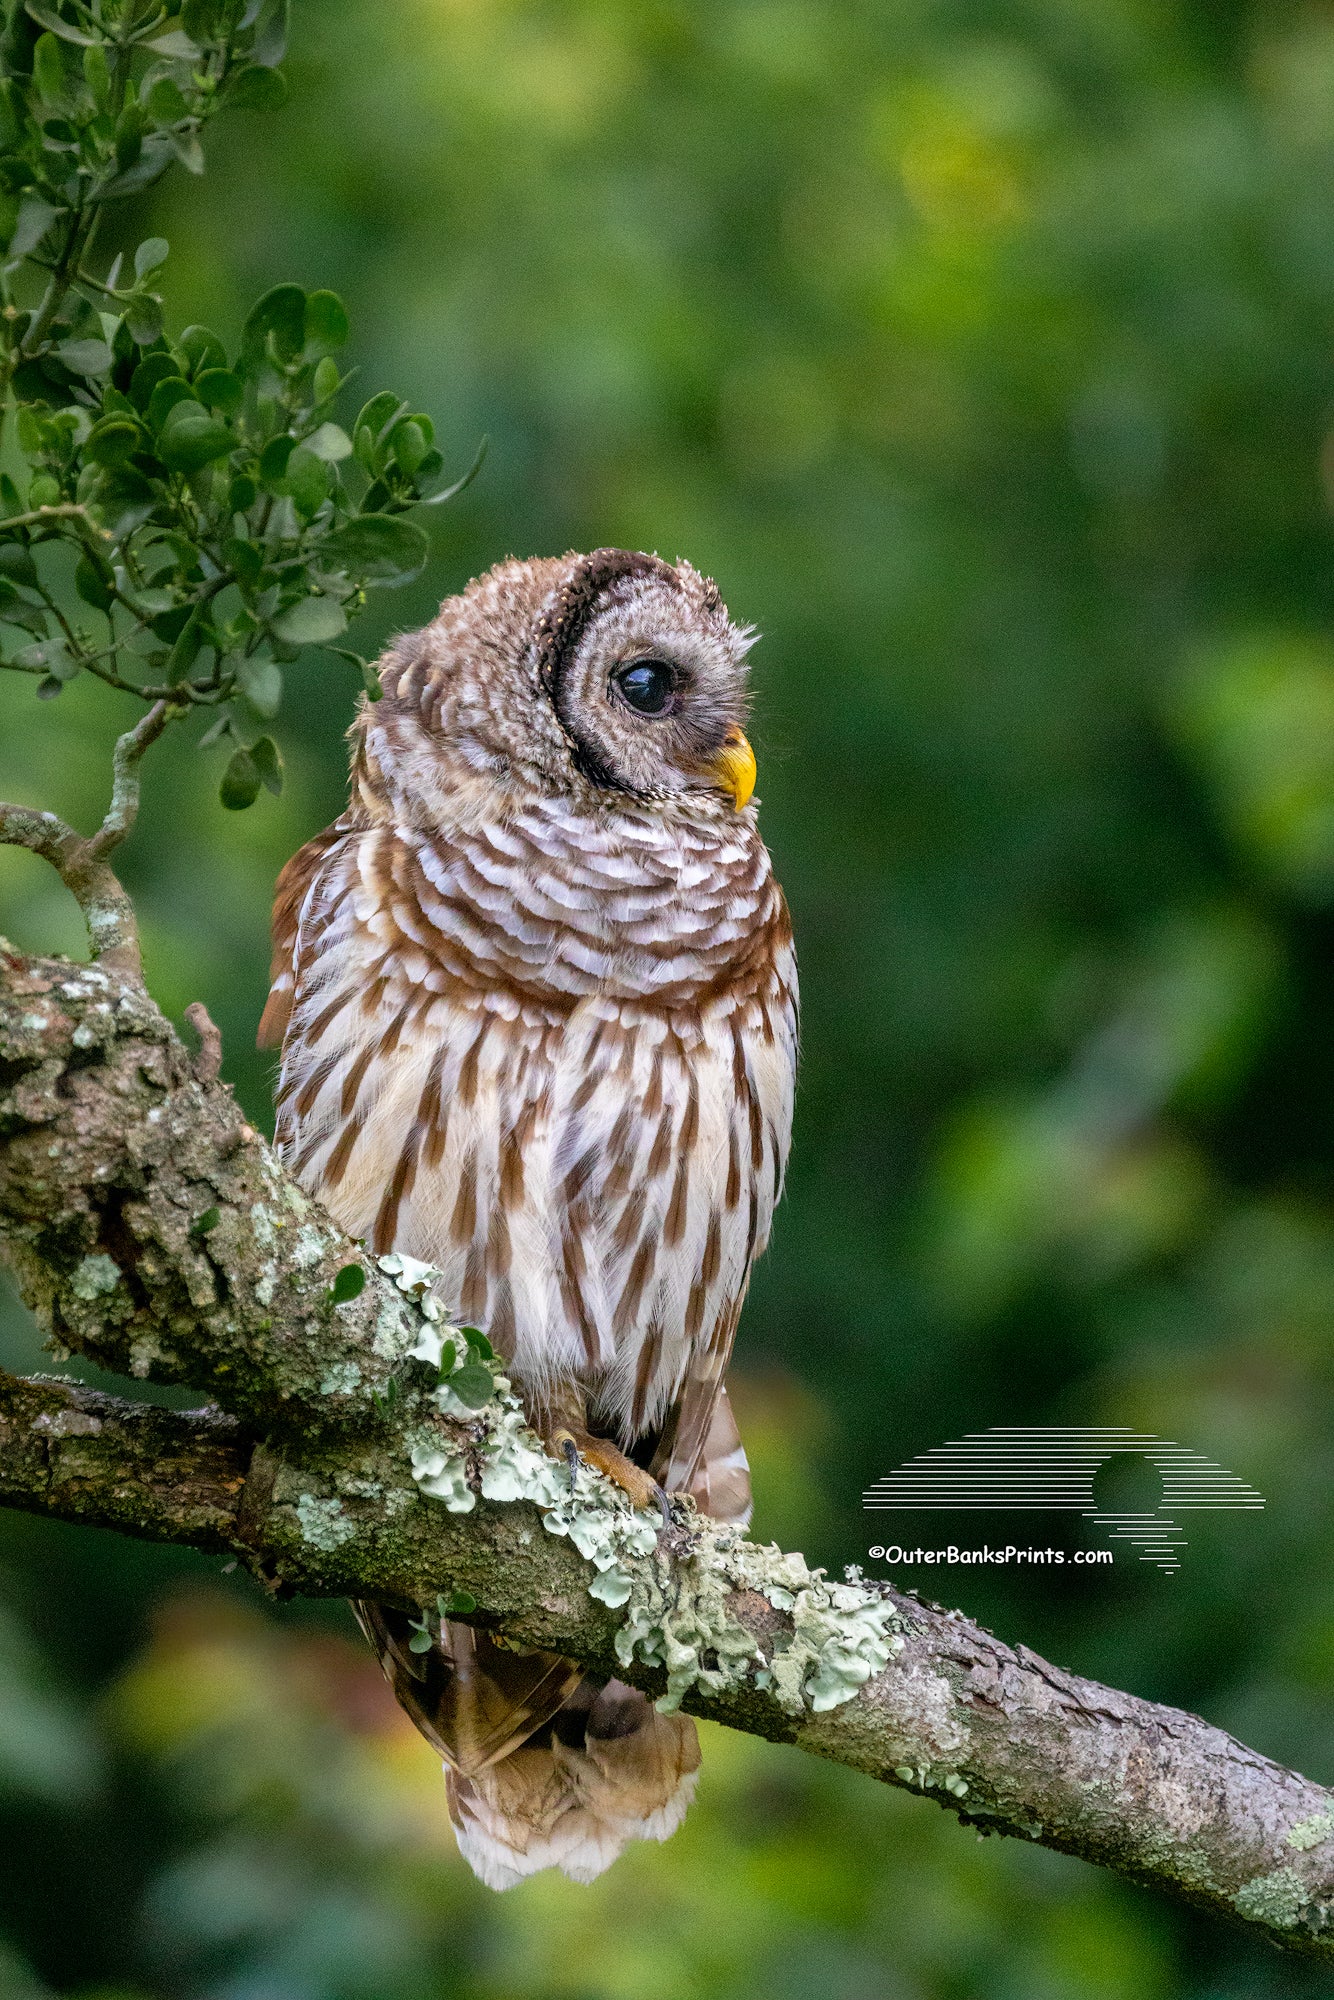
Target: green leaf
307 481
458 1604
449 492
170 394
478 1343
256 89
270 44
92 585
205 1224
243 559
189 442
273 459
420 1642
331 443
268 762
164 102
143 317
410 445
261 682
310 621
326 323
85 357
325 382
378 415
449 1354
47 17
200 20
151 254
473 1385
181 48
34 218
154 368
381 546
111 441
280 316
202 349
220 390
240 782
187 149
348 1285
48 69
243 494
186 649
15 557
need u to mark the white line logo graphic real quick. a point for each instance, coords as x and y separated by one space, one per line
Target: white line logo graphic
1051 1469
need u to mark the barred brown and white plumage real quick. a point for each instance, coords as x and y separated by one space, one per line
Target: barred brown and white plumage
538 1010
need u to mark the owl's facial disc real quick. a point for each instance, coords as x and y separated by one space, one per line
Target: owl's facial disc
649 684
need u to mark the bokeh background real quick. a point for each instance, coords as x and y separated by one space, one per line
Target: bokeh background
984 351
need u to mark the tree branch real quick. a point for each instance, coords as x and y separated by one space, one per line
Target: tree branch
152 1230
82 863
1012 1744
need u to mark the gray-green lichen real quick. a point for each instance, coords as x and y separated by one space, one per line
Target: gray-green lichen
1310 1832
95 1277
1278 1899
677 1614
681 1619
323 1523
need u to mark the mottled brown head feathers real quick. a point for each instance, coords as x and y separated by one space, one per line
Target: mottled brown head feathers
520 679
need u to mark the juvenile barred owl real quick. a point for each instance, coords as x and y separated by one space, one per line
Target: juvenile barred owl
538 1011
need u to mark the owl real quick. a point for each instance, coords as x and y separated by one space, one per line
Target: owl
537 1003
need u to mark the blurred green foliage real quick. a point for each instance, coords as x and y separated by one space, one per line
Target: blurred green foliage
984 351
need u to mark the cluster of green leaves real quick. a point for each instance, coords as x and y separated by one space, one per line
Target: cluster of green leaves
458 1604
205 508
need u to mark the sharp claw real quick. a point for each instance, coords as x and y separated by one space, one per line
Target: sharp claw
571 1451
666 1506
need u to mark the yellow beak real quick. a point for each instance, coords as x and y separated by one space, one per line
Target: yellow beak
734 767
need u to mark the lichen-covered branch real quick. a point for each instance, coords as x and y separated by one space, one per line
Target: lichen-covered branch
151 1229
1011 1743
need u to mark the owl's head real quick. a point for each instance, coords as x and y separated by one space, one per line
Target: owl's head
607 678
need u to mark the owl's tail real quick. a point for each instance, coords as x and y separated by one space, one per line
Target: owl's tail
607 1770
546 1767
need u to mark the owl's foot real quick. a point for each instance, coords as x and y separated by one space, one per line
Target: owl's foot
640 1488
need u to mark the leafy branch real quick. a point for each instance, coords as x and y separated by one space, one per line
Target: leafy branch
187 522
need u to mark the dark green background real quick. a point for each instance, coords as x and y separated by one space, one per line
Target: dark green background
984 353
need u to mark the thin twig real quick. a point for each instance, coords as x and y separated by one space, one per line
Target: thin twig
208 1063
82 864
65 510
124 807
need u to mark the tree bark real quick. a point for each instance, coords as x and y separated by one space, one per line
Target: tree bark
153 1231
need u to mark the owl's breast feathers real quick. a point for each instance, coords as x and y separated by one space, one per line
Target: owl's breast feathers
553 1055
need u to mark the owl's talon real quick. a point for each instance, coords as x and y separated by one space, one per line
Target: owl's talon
571 1450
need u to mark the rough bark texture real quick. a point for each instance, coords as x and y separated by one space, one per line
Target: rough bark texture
152 1230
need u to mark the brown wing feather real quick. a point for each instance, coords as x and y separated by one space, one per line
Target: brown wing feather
700 1451
289 895
473 1699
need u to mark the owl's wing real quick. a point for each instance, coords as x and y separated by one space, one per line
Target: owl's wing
472 1699
295 884
700 1452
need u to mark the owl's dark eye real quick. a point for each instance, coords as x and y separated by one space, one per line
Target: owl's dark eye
647 685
